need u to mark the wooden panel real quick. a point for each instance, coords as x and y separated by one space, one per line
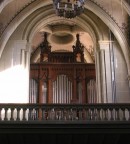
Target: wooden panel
76 72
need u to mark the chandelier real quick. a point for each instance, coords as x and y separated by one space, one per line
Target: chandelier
68 8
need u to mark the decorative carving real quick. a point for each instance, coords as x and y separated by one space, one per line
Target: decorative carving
61 57
78 51
126 29
45 49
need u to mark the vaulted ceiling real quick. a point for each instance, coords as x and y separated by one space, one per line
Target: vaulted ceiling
38 16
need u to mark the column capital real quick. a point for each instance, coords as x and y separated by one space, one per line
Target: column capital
105 42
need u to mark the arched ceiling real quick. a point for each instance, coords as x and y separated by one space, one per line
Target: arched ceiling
38 16
62 36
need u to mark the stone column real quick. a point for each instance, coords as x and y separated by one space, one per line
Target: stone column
103 76
23 57
98 75
27 65
105 71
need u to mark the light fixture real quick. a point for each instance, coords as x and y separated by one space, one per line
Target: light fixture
68 8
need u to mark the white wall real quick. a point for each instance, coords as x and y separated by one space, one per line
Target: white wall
13 73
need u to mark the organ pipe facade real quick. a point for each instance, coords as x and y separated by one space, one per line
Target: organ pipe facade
61 77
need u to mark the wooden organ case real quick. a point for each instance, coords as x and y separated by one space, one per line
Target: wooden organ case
62 77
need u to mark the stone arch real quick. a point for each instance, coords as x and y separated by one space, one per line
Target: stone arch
92 7
4 4
114 28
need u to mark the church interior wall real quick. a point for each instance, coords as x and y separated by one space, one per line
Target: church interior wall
13 58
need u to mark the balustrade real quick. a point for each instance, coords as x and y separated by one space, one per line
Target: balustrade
64 112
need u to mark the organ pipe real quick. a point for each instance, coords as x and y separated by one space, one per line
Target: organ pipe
91 91
33 93
62 90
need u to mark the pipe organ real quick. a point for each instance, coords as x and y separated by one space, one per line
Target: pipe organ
62 77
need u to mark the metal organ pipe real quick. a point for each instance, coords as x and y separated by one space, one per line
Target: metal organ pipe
91 82
44 92
70 92
30 92
62 90
67 91
91 91
64 94
33 93
55 100
59 88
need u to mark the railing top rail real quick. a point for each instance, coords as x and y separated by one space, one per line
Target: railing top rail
99 105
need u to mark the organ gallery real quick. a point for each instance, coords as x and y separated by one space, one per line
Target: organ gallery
62 77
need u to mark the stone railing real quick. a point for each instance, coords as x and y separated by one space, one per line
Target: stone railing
64 112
